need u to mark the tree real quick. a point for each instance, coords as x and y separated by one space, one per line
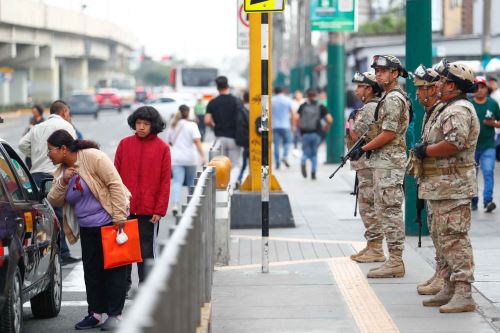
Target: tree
153 73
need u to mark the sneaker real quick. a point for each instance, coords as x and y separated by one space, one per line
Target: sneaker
285 162
303 170
111 323
473 206
69 260
490 206
88 322
313 175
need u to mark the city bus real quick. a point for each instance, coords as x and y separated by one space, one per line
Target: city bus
194 82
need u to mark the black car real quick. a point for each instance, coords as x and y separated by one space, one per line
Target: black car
30 268
85 104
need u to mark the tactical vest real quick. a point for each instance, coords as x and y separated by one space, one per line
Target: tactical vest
376 127
349 142
459 163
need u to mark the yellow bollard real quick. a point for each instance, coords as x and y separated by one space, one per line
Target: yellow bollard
222 166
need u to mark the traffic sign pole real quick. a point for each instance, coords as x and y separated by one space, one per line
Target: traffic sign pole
264 49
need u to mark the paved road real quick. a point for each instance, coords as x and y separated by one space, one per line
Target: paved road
108 130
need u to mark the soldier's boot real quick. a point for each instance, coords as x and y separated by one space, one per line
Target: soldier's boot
428 281
461 301
374 253
360 252
443 296
392 268
434 285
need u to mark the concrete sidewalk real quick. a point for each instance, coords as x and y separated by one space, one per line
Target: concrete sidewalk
313 286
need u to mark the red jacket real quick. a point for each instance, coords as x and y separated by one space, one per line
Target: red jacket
144 165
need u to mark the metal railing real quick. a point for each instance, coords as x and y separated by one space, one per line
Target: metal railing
180 282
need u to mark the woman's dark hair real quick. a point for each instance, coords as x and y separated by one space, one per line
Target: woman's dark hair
184 109
147 113
38 109
62 138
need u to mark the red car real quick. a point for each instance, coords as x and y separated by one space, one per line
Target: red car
109 99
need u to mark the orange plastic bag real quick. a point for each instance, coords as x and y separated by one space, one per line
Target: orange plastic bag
116 255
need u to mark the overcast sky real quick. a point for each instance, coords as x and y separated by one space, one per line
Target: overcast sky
195 30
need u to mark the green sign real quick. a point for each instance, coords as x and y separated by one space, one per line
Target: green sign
334 15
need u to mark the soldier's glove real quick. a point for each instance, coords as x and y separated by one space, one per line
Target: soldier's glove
356 154
420 150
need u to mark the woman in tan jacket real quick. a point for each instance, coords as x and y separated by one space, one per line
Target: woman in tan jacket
92 194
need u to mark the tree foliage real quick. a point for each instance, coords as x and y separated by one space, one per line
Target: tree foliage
386 24
152 73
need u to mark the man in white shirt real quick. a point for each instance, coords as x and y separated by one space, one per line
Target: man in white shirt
34 145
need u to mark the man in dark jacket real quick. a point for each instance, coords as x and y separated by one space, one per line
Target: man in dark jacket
143 161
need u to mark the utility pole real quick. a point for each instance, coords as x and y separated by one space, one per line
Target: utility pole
418 51
486 37
336 96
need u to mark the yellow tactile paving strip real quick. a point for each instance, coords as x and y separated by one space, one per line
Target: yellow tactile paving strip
366 308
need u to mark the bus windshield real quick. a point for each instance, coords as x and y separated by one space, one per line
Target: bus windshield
198 77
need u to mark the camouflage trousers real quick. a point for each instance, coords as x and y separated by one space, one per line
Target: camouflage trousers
373 227
434 237
388 189
451 223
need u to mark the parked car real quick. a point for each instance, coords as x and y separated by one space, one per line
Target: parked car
109 99
84 103
168 104
30 267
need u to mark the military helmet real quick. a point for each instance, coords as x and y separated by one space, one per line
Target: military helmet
389 61
367 78
461 74
423 77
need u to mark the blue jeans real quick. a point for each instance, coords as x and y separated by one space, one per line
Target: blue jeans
183 175
486 160
281 135
310 144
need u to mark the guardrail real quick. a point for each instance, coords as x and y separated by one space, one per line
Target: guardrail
176 295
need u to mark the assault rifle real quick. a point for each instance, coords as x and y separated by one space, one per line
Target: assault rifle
347 156
356 192
418 219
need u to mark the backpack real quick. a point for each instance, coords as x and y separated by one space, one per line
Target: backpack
310 117
241 135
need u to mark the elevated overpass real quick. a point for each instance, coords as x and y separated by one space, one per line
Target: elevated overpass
46 52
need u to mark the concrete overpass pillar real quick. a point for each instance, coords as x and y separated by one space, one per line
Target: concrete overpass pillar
75 75
4 93
98 70
19 87
45 83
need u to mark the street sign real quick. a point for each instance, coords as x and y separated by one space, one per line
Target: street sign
255 6
334 15
243 39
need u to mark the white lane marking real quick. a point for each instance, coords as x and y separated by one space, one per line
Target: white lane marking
74 282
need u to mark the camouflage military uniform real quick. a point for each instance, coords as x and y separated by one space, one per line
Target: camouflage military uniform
372 225
449 183
388 163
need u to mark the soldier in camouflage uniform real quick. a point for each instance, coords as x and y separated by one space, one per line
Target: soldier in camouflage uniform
425 80
388 160
448 183
368 91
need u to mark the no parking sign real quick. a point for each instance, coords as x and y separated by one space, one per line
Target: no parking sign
243 27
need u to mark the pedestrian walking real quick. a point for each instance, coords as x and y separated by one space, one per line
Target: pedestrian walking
34 145
488 113
199 110
143 162
425 80
310 115
222 114
298 100
387 147
246 145
368 91
282 118
187 153
448 183
90 190
35 119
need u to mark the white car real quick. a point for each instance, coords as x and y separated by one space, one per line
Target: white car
168 104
